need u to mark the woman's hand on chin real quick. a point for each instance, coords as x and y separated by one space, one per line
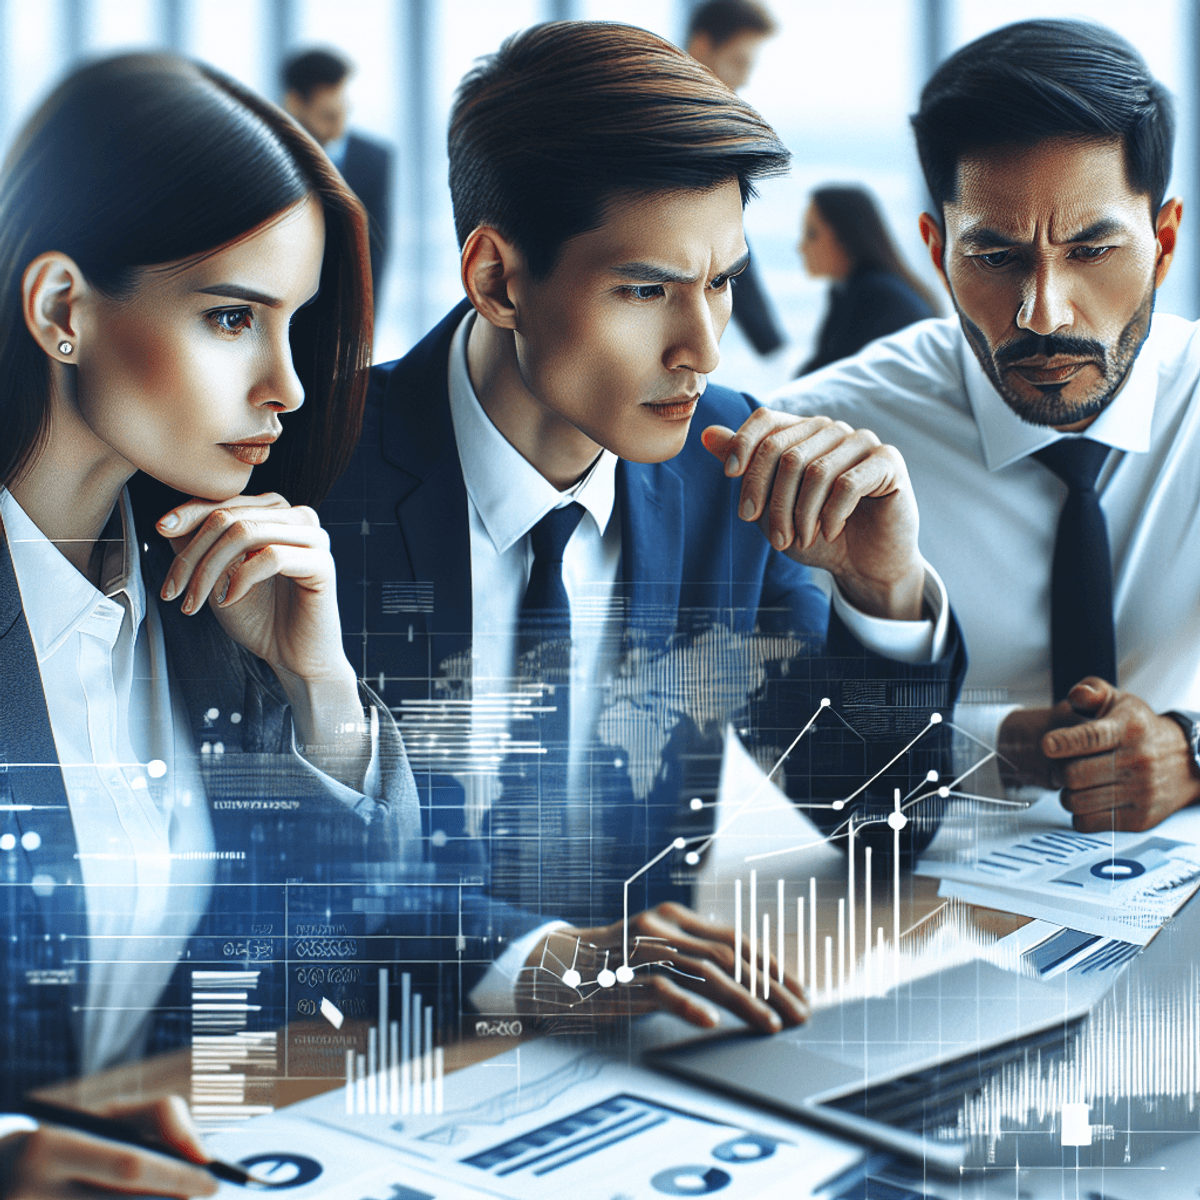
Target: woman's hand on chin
265 569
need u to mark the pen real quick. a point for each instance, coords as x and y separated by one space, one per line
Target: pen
130 1135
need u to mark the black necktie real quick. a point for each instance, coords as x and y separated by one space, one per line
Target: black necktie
1082 641
536 844
545 605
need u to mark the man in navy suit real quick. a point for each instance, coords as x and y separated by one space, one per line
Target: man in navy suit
314 83
535 463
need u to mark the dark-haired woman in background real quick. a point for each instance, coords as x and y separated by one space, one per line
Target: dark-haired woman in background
873 292
167 240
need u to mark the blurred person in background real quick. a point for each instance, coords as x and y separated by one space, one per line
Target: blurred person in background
314 83
726 36
872 291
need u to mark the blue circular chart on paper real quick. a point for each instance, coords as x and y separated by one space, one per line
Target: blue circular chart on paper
749 1147
1118 869
690 1181
282 1170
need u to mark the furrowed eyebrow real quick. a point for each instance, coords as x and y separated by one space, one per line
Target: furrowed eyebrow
643 272
981 239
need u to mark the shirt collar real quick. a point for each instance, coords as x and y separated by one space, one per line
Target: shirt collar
56 598
1124 424
510 495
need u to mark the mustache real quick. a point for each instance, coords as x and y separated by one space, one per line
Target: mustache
1047 346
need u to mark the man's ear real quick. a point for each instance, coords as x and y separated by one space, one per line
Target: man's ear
935 241
1166 231
491 264
52 290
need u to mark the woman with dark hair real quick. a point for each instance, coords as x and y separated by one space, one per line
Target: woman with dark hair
183 281
873 292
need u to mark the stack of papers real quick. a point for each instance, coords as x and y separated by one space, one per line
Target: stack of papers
1115 885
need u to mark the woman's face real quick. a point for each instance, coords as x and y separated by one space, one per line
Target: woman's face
186 380
823 255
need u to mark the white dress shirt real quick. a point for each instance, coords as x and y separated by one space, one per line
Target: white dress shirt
989 512
507 496
137 803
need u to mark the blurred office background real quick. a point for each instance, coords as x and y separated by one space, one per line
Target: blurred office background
838 83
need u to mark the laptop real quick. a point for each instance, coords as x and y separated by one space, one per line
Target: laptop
896 1070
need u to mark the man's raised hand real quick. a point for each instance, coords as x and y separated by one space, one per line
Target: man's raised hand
832 497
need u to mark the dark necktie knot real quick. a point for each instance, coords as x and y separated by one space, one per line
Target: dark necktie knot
549 537
1076 461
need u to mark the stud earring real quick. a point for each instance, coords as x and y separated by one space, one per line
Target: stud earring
65 348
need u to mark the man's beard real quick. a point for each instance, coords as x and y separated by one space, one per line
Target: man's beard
1048 407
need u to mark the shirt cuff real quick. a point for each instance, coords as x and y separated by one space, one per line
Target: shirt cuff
362 801
495 993
904 641
11 1123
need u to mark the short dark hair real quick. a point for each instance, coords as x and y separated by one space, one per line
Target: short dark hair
146 159
1045 79
307 70
569 115
725 19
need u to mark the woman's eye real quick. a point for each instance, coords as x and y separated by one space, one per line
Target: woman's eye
231 320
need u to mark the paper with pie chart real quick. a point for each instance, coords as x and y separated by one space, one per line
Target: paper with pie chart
1122 886
547 1120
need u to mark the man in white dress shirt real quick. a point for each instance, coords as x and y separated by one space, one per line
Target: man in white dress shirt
1047 149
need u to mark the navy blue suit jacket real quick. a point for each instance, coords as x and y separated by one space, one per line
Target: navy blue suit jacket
708 606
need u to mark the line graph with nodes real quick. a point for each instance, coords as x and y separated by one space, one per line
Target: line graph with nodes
608 973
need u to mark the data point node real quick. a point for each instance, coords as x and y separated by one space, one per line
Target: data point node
839 805
932 777
572 978
897 820
936 719
825 702
691 858
944 792
156 768
696 804
679 843
606 978
624 974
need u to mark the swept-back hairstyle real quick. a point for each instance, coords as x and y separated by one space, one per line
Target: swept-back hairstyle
569 115
857 223
1045 79
143 160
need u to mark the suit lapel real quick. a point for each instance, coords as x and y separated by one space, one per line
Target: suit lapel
652 524
32 781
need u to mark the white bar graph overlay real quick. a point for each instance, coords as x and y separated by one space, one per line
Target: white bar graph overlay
402 1069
